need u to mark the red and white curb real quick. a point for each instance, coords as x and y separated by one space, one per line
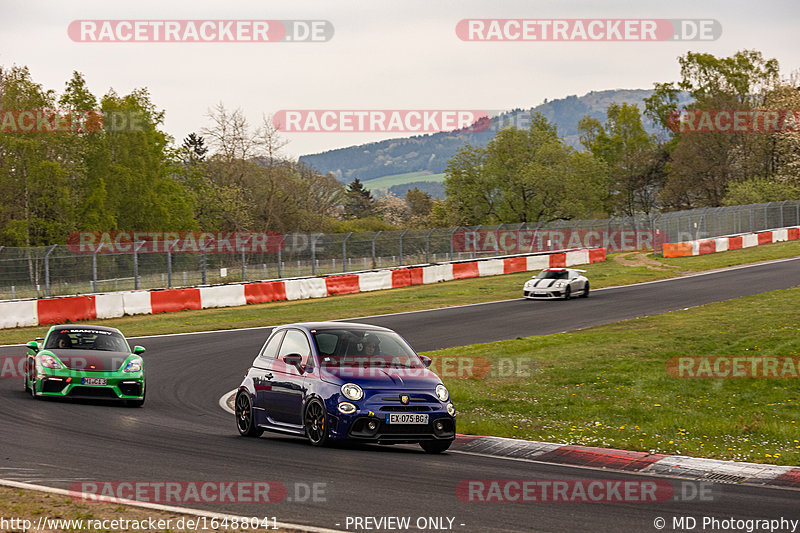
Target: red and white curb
697 469
694 468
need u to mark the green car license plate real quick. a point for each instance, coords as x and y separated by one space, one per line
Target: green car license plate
406 418
94 381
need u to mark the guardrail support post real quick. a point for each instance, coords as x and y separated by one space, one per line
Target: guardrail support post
428 246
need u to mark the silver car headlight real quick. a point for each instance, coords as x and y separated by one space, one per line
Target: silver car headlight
441 393
352 391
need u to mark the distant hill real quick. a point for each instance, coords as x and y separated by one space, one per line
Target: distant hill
429 153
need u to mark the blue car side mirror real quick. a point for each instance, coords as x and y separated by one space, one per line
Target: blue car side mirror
426 360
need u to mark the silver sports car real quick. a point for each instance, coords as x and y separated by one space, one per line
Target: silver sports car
561 283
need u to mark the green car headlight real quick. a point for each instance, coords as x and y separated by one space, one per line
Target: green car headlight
133 366
352 391
48 361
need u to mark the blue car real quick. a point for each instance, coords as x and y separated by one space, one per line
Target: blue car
335 380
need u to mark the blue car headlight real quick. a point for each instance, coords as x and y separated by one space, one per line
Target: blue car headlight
352 391
451 410
441 393
48 361
133 366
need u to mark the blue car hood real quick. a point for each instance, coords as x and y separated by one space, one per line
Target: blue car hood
381 378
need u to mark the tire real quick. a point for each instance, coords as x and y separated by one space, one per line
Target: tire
315 421
435 446
568 293
243 407
585 293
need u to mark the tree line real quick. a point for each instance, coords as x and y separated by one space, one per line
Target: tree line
232 176
532 176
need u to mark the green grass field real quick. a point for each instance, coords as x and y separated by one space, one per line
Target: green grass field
384 182
606 274
608 386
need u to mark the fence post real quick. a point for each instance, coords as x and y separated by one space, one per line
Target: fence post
373 247
344 252
452 246
428 246
280 248
169 266
401 246
94 268
47 271
203 266
314 254
136 246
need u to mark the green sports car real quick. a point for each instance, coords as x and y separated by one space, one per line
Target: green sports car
79 361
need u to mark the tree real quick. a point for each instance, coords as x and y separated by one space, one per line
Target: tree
635 160
703 166
194 149
524 176
392 209
359 202
420 203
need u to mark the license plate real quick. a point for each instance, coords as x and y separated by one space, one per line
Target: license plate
94 381
406 418
540 294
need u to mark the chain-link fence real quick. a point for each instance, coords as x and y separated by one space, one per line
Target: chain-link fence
69 269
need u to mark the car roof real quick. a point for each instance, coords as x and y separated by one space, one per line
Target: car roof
333 325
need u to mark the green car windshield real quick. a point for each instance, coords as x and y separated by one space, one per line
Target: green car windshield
360 348
87 339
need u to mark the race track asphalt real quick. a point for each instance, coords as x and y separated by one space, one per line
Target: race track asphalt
181 434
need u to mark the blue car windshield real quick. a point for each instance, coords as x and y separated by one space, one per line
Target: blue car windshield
364 349
87 339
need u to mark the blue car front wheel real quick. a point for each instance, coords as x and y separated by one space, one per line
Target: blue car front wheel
316 423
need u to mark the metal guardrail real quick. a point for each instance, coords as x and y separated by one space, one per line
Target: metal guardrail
55 270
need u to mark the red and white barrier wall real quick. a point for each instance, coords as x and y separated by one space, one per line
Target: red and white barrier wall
116 304
732 242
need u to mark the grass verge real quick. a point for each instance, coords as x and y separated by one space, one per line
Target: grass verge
608 386
609 273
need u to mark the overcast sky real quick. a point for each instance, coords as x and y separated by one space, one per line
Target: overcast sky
383 55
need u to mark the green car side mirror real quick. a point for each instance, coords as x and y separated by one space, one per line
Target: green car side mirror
138 350
33 345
